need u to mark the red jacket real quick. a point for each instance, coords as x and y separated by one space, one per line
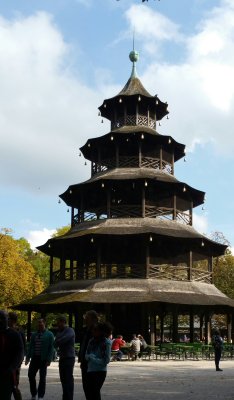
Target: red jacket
117 343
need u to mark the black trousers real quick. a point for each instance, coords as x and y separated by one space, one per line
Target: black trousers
16 391
95 382
6 385
218 353
66 366
36 364
85 382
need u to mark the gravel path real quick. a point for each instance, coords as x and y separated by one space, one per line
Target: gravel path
150 380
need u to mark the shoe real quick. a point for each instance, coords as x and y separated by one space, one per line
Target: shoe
218 369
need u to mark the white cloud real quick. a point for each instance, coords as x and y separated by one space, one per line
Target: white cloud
152 27
37 238
200 223
46 113
200 89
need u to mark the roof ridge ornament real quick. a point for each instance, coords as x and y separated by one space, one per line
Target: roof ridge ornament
134 57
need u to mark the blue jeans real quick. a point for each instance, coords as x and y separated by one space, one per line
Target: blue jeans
66 366
36 365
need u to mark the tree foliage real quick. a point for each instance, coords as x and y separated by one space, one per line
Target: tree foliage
18 278
224 274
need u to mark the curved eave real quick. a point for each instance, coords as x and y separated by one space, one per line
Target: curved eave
66 294
171 230
124 174
108 105
89 149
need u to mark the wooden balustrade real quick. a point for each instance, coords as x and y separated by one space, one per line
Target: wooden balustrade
132 162
137 271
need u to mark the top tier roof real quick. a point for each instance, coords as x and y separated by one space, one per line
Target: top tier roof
134 88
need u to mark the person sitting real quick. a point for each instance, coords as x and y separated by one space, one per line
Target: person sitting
135 347
116 346
144 345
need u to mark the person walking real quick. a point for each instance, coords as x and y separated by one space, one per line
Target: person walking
98 355
40 355
90 320
12 323
217 342
11 356
65 342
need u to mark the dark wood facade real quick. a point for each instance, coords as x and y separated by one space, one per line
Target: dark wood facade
131 252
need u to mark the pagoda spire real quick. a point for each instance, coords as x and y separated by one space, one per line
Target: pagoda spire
134 57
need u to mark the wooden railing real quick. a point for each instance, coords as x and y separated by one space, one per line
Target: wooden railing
179 273
132 162
133 211
138 120
137 271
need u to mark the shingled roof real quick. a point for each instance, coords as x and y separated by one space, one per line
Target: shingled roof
128 291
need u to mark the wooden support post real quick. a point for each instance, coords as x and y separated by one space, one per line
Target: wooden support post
173 164
160 158
229 328
175 325
191 323
98 165
162 327
125 114
210 267
98 265
143 202
147 262
108 203
140 154
117 155
62 269
81 211
191 213
152 329
201 327
137 113
174 207
71 269
207 328
190 265
72 217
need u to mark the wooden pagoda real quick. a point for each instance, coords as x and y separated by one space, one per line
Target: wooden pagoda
132 252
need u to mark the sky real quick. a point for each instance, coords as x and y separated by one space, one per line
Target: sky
60 59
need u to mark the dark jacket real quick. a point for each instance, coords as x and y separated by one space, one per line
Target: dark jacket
47 346
11 350
85 338
65 341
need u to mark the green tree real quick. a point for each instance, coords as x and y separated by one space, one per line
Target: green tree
18 279
224 274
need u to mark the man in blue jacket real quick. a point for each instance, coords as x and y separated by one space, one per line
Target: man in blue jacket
40 352
65 341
